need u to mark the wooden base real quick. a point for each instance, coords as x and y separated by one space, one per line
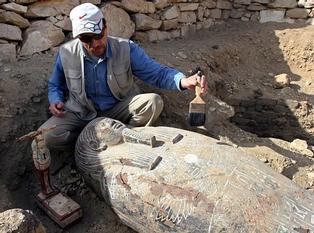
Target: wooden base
62 209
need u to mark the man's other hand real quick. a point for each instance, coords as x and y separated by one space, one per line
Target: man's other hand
57 109
191 81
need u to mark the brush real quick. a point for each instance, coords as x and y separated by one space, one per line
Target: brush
197 106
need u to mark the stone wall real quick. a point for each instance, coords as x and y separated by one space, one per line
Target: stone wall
30 26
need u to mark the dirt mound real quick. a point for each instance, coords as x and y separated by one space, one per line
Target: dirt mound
240 61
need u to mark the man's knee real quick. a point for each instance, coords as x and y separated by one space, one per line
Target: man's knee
60 140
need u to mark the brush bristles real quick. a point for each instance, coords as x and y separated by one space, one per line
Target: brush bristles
196 119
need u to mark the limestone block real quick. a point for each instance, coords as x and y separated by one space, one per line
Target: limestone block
169 24
138 6
215 13
177 1
17 8
242 2
256 7
40 36
171 13
301 146
255 17
272 16
7 52
119 22
297 13
161 4
23 2
207 23
225 14
48 8
224 4
144 22
283 4
282 80
209 4
200 13
188 6
237 13
187 17
311 14
261 1
65 24
13 18
10 32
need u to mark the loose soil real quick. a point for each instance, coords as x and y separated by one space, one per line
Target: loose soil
240 60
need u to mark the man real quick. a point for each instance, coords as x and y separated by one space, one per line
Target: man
93 76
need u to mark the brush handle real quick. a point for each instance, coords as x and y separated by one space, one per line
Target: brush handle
198 85
198 90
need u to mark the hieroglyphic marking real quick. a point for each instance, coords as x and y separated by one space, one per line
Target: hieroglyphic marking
220 198
282 229
297 213
172 209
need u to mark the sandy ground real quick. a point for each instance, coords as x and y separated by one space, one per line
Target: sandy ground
240 60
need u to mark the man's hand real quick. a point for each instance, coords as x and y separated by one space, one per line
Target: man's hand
57 109
191 81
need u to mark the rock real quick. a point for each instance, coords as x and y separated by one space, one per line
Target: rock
144 22
138 6
261 1
120 23
224 4
209 4
21 221
9 32
182 55
23 1
216 13
169 24
40 36
65 24
7 53
310 175
187 17
48 8
283 4
301 146
242 2
10 17
236 13
297 13
256 7
17 8
95 2
282 80
160 4
171 13
272 16
188 6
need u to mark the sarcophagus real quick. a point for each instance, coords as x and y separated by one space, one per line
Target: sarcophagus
162 179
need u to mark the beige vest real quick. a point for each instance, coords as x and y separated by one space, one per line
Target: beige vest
119 75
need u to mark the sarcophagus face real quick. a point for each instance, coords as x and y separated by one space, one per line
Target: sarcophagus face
162 179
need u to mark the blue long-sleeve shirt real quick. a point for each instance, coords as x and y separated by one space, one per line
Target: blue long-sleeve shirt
95 72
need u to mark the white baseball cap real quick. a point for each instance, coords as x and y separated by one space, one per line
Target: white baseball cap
86 18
